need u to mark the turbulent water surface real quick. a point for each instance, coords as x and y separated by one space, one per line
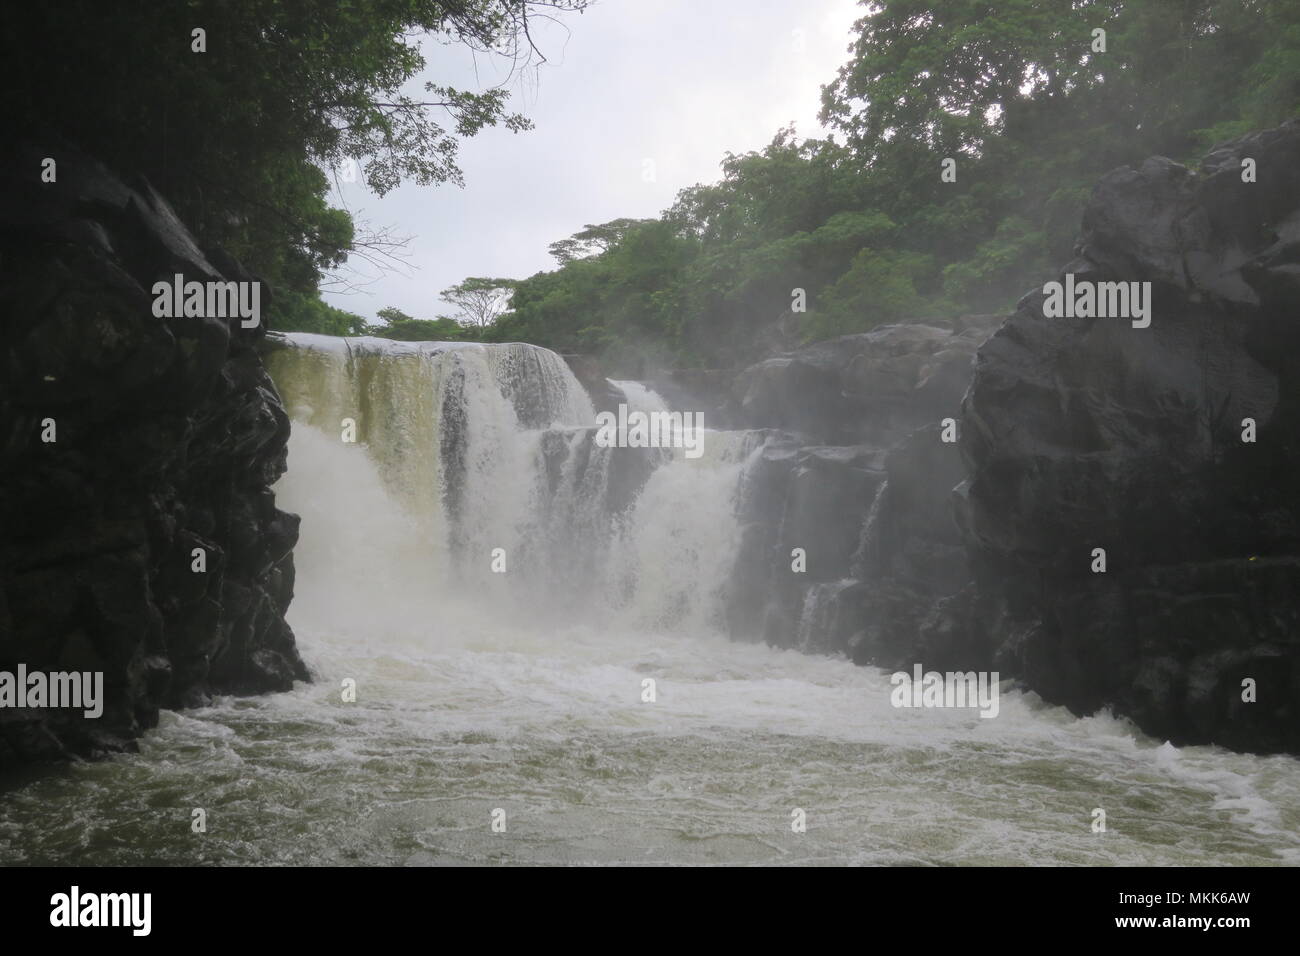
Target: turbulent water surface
522 691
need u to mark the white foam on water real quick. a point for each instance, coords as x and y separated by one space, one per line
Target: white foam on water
468 701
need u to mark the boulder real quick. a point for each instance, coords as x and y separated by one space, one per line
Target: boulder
872 388
1084 434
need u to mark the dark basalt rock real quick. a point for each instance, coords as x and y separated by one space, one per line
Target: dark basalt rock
1088 433
862 481
587 369
873 388
1075 434
809 497
169 435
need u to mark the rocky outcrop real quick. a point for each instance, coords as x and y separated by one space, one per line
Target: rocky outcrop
587 369
873 388
1084 434
1173 448
859 478
132 448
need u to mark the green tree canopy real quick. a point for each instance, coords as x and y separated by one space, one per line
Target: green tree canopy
239 136
479 300
1021 94
397 325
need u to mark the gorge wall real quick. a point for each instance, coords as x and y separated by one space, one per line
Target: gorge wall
1073 434
128 441
1088 433
858 478
920 493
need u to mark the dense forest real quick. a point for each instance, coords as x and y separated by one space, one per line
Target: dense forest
965 137
241 113
1021 95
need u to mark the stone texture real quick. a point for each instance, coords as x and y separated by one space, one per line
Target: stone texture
169 436
1075 434
1088 433
857 474
873 388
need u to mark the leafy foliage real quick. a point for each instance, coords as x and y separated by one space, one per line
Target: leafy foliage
398 325
298 312
479 300
862 222
237 137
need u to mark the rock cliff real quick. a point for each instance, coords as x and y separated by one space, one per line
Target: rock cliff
133 450
1172 447
1084 434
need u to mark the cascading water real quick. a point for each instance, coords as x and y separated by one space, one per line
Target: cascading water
490 451
463 439
673 556
639 397
587 690
820 611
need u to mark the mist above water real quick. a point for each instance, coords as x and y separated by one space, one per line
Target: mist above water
525 690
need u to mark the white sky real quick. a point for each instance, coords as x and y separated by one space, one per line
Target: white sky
679 82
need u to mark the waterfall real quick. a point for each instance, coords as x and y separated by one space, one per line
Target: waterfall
640 397
470 458
820 615
673 556
473 690
867 555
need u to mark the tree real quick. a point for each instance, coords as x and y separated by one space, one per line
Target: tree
861 221
480 300
298 312
242 137
402 327
593 240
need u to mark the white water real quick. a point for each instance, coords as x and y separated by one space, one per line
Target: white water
640 397
474 693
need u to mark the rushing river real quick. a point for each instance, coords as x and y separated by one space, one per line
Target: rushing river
525 692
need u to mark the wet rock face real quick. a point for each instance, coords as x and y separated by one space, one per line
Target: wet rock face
860 478
1076 434
872 388
1081 434
801 506
168 434
587 369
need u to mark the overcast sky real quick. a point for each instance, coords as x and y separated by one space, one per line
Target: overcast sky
675 82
